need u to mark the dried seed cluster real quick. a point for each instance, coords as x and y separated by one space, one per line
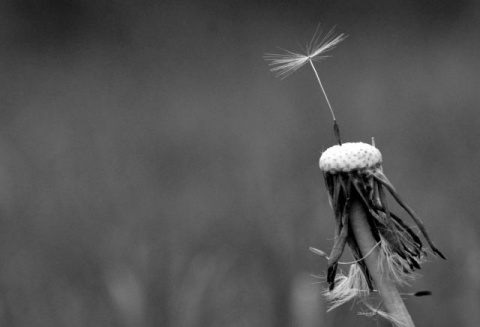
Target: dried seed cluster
353 172
350 156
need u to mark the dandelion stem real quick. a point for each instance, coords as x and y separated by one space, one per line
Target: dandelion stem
387 290
336 129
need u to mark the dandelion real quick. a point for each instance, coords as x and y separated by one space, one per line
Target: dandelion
386 250
357 189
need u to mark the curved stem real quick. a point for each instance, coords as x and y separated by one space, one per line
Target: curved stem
389 294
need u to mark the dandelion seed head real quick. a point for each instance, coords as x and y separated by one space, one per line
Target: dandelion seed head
350 156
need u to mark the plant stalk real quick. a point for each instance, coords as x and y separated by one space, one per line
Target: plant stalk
385 286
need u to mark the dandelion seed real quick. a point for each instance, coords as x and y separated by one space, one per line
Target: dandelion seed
289 62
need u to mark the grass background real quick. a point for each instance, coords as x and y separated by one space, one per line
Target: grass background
153 172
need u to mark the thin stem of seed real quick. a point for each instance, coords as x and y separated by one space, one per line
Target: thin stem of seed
366 255
321 86
336 129
323 254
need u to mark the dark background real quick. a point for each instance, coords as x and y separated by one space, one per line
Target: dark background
154 172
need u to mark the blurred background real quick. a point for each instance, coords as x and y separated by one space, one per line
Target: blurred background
154 172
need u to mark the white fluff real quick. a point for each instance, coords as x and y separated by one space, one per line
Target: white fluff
348 287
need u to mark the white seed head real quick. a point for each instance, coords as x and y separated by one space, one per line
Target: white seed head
350 156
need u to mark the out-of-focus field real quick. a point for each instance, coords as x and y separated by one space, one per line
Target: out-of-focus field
153 172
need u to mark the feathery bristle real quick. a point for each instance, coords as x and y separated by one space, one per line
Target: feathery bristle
348 287
394 319
286 63
397 267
